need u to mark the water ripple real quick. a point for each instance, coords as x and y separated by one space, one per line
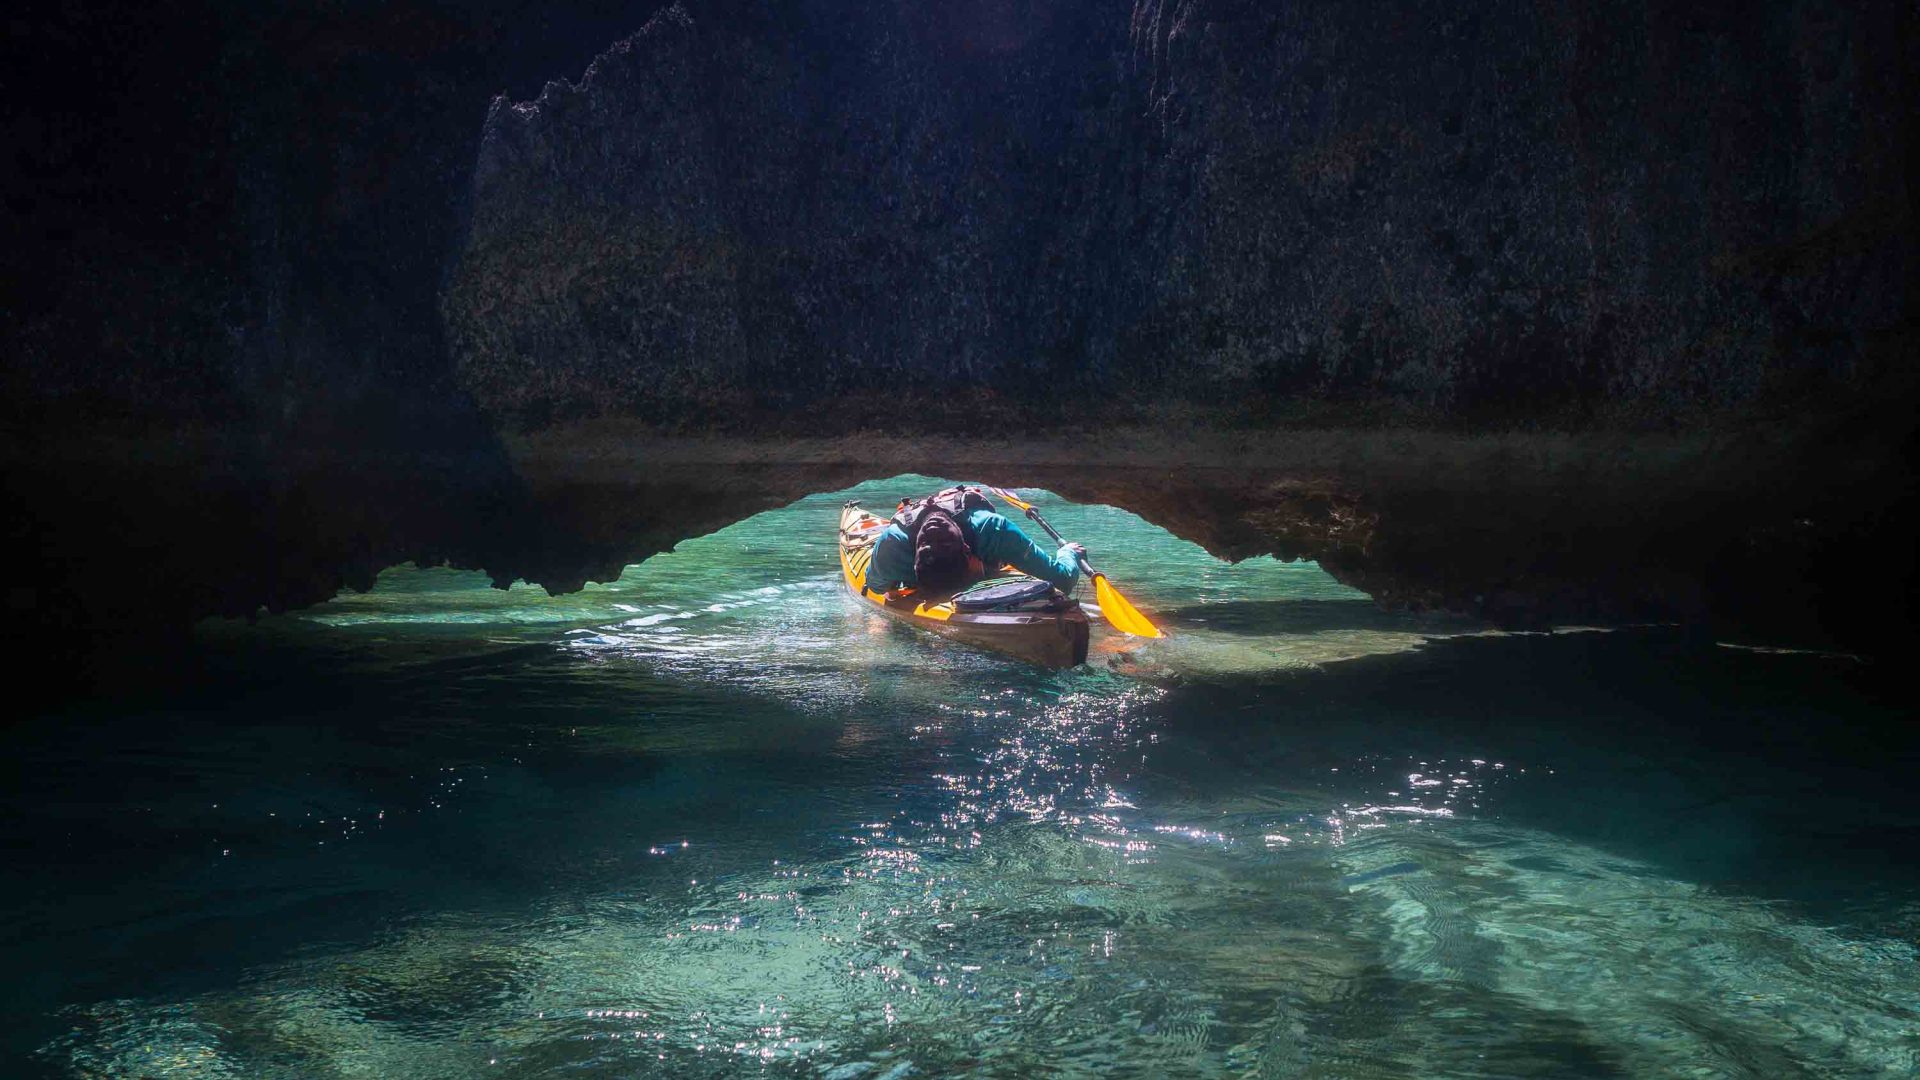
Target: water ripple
716 819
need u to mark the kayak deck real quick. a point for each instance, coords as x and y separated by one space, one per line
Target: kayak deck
1052 633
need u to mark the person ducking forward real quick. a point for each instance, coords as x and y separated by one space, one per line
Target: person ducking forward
945 542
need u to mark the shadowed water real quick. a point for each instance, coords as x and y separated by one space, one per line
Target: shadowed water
717 819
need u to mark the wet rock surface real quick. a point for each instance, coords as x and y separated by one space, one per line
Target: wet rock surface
1592 312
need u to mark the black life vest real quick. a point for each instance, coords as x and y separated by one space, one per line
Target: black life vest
959 503
945 548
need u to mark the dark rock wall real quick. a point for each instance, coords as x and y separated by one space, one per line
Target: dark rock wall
1570 214
223 376
1609 210
223 212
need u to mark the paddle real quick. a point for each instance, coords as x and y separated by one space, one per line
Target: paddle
1123 615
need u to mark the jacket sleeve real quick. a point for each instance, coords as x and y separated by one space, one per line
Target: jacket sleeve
999 541
892 564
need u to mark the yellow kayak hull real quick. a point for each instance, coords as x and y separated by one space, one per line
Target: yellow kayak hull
1054 637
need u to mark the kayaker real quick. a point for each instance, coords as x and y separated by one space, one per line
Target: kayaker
949 540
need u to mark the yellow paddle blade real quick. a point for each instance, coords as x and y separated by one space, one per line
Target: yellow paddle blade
1009 496
1124 616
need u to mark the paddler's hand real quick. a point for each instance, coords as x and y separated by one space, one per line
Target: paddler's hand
1072 553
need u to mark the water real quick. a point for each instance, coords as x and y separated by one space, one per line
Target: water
716 819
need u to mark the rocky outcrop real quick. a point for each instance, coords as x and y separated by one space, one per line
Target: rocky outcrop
1595 311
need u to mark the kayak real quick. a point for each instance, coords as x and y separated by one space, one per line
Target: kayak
1038 623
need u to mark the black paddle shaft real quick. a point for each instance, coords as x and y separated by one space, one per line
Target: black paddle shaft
1058 539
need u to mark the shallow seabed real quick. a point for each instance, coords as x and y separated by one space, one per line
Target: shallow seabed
716 819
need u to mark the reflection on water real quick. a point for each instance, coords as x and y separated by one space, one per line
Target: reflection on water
716 819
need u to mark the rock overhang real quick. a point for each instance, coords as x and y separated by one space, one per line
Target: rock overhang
1311 257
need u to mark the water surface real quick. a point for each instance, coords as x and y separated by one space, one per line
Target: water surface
717 819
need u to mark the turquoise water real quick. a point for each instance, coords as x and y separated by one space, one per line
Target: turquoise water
717 819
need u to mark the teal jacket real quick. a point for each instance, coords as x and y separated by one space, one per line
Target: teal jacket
996 541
